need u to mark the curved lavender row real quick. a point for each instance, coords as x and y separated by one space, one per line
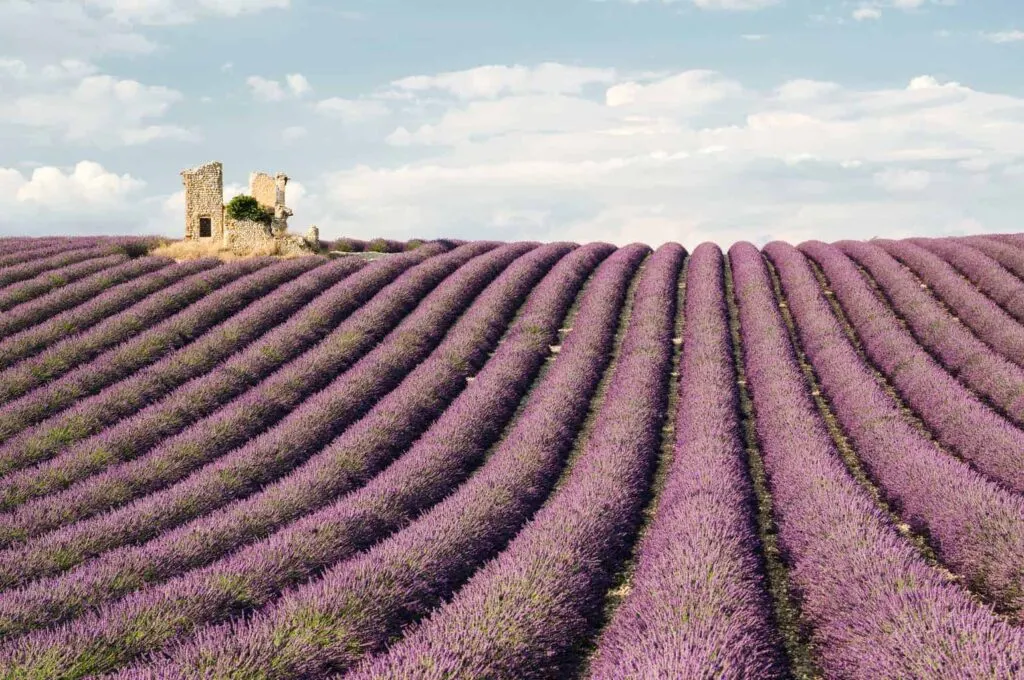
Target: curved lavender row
20 293
975 526
29 251
956 416
66 354
523 613
149 384
258 460
26 270
970 360
63 300
398 579
359 453
698 605
1014 240
203 395
121 648
1010 258
149 345
983 271
983 316
18 250
103 311
876 610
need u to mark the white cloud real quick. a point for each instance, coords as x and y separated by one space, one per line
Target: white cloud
682 93
99 109
87 185
729 5
654 160
735 4
45 30
264 89
867 13
488 82
159 12
754 37
298 84
1001 37
352 110
900 180
294 132
805 90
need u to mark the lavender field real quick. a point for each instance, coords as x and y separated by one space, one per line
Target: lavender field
513 460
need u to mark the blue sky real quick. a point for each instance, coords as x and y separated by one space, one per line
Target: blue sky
616 120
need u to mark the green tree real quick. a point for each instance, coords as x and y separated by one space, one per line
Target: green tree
244 207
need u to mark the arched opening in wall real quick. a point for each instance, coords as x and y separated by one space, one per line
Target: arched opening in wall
205 227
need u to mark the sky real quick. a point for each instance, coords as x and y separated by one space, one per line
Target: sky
582 120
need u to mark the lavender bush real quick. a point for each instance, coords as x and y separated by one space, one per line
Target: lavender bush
258 459
975 526
522 614
19 293
874 607
360 452
973 362
958 418
63 300
110 316
983 316
698 606
197 398
148 346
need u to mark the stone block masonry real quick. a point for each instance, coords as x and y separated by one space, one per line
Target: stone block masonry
205 217
204 201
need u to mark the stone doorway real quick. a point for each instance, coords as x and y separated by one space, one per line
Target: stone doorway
205 227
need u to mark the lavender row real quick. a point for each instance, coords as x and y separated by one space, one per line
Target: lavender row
874 608
63 300
19 293
982 271
1008 257
133 246
1015 240
363 601
148 627
104 310
958 418
358 454
72 351
983 316
149 345
698 606
27 251
315 420
35 266
974 363
975 526
149 384
525 612
201 396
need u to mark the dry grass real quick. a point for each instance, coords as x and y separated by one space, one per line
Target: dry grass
191 250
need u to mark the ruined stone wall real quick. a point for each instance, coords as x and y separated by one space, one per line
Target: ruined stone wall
204 197
248 236
263 188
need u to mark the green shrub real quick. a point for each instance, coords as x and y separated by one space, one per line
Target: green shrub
244 207
413 244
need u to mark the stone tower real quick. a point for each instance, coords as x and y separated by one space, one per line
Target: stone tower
270 193
204 201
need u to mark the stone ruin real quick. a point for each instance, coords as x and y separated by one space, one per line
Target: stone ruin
206 219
